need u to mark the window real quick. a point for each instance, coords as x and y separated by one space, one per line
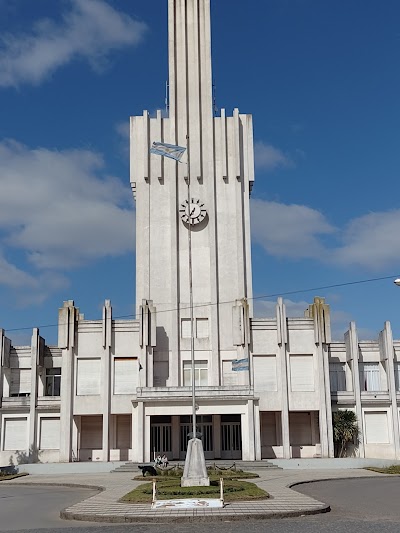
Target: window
125 375
20 385
15 434
49 433
229 377
53 381
200 373
265 373
397 375
370 377
337 376
302 373
186 328
376 428
88 377
202 328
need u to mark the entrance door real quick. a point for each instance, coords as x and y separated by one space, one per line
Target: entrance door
161 436
231 437
203 426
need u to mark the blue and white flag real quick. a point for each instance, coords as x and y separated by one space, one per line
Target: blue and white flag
239 365
168 150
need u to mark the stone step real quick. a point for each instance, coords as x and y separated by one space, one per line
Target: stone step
252 466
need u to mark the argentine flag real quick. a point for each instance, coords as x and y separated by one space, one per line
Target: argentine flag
240 365
168 150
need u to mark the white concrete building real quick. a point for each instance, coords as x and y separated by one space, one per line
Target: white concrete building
265 388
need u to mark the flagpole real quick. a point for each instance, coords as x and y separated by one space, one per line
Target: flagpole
191 299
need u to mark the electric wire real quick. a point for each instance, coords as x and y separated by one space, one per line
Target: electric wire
212 304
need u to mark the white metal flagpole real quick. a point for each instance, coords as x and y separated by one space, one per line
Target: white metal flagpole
191 298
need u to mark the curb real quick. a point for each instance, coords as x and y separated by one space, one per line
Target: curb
69 485
209 517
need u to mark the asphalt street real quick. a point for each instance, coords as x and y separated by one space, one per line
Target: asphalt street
358 506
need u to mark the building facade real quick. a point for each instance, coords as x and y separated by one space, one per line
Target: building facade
265 388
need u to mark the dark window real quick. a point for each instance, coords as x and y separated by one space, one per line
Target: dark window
53 381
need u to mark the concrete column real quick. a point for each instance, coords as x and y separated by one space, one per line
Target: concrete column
387 353
251 451
176 433
352 352
328 403
323 426
147 453
257 431
33 444
137 432
244 426
285 403
76 432
217 436
282 342
67 323
106 360
113 432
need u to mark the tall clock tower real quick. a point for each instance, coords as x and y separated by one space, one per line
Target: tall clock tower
220 167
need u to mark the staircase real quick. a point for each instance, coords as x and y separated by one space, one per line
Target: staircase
249 466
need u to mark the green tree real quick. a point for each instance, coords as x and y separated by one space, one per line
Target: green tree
345 431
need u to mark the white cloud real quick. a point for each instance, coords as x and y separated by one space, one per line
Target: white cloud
123 131
288 230
91 29
61 209
371 241
268 158
12 276
122 128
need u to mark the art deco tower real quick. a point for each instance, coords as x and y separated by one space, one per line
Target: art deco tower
222 173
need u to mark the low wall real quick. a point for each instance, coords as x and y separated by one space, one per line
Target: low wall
330 464
95 467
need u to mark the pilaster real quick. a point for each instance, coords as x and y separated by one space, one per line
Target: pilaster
352 353
387 355
106 396
37 349
68 317
282 338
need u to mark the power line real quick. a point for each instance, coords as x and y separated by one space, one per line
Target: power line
264 296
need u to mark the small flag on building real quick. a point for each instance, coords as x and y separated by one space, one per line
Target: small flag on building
168 150
239 365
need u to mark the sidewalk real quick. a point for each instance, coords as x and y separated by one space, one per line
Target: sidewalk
104 507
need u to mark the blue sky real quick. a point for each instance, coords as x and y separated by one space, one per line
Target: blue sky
322 80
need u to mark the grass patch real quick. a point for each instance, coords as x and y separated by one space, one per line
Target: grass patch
234 490
7 477
213 472
393 469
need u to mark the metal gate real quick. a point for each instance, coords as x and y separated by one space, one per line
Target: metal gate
161 439
206 429
231 440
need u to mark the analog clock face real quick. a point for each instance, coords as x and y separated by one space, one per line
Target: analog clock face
192 212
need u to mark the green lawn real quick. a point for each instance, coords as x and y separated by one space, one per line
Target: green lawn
170 488
394 469
213 473
7 477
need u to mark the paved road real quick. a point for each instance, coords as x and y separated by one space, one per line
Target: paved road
358 506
